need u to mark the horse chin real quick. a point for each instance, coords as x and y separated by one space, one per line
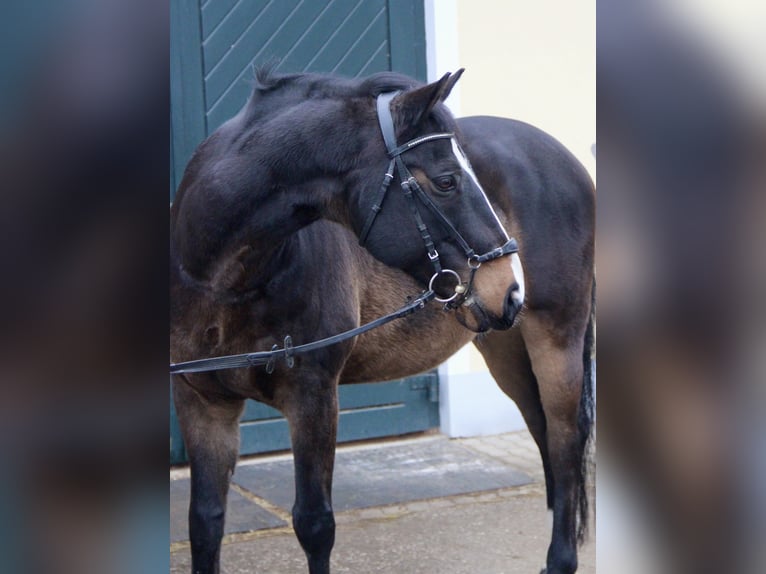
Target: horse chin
473 317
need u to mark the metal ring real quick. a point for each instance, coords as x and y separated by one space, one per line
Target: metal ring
431 285
474 258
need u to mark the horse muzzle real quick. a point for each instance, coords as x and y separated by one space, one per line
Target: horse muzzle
495 295
514 301
514 296
474 315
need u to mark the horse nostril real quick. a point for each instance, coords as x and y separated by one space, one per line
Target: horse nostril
513 302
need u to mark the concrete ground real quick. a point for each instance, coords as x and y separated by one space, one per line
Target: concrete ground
496 531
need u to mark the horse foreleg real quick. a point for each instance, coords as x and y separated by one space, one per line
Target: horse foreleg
557 362
313 422
210 430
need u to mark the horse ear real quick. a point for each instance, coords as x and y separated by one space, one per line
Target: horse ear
451 81
415 105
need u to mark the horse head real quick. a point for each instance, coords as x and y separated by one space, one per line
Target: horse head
436 223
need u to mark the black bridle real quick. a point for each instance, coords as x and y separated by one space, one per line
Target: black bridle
411 190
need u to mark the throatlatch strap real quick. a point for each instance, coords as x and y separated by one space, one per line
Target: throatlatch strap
376 207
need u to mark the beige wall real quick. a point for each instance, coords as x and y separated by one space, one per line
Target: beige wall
534 61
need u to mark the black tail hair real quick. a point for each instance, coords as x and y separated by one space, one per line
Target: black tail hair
586 418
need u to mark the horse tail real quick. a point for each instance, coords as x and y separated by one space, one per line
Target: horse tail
586 417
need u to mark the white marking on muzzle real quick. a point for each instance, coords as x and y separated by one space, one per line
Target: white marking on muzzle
518 274
466 167
518 270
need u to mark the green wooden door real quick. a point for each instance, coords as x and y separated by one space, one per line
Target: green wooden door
214 46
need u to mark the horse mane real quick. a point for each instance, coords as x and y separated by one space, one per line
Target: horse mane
267 79
285 90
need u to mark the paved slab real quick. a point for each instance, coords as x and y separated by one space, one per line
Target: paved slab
502 532
242 515
388 475
505 530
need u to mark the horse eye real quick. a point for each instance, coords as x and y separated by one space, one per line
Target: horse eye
445 183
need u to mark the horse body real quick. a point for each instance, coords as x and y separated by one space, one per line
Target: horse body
545 365
244 274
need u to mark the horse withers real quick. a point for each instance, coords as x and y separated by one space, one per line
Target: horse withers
265 241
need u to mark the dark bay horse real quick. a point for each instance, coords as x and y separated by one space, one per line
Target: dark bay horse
265 242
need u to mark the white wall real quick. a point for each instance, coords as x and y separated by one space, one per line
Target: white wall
533 61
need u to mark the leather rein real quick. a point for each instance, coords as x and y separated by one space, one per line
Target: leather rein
288 352
412 190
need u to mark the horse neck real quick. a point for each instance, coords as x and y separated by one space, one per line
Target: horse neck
251 187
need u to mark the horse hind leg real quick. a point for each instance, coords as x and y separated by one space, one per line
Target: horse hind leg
210 429
559 367
508 362
313 418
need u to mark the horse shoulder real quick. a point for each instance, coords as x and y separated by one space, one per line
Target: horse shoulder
403 347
